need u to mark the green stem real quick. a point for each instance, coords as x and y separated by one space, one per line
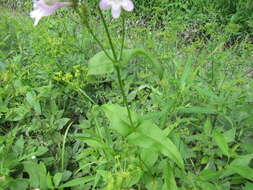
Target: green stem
116 66
115 58
98 41
123 37
86 23
108 34
121 86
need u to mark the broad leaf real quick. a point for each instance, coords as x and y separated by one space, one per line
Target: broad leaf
221 142
149 156
57 179
34 177
42 175
131 53
32 99
248 186
20 184
242 160
118 118
100 64
243 171
148 135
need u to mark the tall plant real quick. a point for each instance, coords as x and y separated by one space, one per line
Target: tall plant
141 133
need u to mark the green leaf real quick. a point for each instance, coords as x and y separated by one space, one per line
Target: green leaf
32 169
42 175
208 174
197 110
243 171
169 178
57 179
66 175
100 64
242 160
128 54
186 75
208 127
91 141
221 142
248 186
20 184
230 135
149 156
31 98
49 181
204 91
148 135
2 65
78 181
134 177
60 123
41 150
19 146
118 118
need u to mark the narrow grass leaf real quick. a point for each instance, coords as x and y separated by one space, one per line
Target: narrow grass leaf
186 75
78 181
197 110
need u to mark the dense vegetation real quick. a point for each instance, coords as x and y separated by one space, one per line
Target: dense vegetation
61 127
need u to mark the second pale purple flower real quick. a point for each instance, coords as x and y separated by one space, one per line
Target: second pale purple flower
45 8
116 6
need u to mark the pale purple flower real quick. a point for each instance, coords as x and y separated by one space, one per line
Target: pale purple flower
45 8
116 6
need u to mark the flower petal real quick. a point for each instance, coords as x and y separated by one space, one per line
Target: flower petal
128 5
104 4
37 19
58 5
43 9
37 15
116 10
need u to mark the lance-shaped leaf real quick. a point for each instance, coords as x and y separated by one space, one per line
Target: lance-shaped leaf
148 135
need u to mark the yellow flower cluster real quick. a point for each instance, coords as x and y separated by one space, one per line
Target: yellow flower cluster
75 77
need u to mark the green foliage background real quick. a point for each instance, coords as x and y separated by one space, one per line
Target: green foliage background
62 128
